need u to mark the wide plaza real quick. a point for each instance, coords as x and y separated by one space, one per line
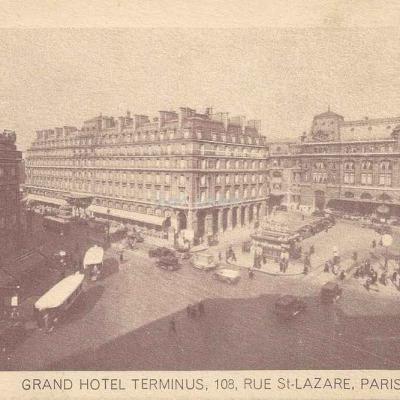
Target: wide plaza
123 320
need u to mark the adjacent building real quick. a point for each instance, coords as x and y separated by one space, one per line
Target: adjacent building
180 172
353 165
10 227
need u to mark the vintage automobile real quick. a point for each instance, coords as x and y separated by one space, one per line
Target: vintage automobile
289 306
182 254
135 236
161 252
281 207
306 231
204 261
318 213
169 262
330 292
383 229
226 274
212 240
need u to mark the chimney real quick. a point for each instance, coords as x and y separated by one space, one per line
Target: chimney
161 119
182 115
225 119
242 121
120 124
209 111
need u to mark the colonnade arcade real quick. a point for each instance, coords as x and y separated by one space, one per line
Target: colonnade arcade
212 221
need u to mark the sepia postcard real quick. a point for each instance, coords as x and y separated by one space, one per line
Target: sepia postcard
200 199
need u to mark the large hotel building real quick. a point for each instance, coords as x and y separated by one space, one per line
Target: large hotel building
10 226
197 173
351 165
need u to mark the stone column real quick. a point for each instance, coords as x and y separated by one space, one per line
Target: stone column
220 220
263 210
229 220
246 216
208 222
239 217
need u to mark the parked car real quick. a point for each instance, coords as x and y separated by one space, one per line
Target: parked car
227 275
161 252
289 306
282 207
306 231
182 254
330 292
135 236
212 240
170 263
318 213
383 229
204 261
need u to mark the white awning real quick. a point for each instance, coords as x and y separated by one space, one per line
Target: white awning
56 296
45 199
124 214
93 256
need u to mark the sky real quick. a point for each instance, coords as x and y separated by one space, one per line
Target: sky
283 76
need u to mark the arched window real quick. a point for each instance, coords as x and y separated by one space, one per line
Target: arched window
385 166
349 165
367 165
384 197
385 173
365 196
349 195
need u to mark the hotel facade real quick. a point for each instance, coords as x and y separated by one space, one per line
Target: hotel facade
181 172
10 216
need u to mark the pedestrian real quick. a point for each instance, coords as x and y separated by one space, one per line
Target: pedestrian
227 256
251 273
386 264
374 277
383 278
342 275
394 277
327 266
373 245
200 307
307 262
305 270
264 257
189 310
355 256
172 326
232 255
312 250
121 256
48 323
220 257
281 265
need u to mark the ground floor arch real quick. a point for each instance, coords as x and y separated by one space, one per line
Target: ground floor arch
319 200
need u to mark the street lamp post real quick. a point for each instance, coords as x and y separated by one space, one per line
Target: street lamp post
387 241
